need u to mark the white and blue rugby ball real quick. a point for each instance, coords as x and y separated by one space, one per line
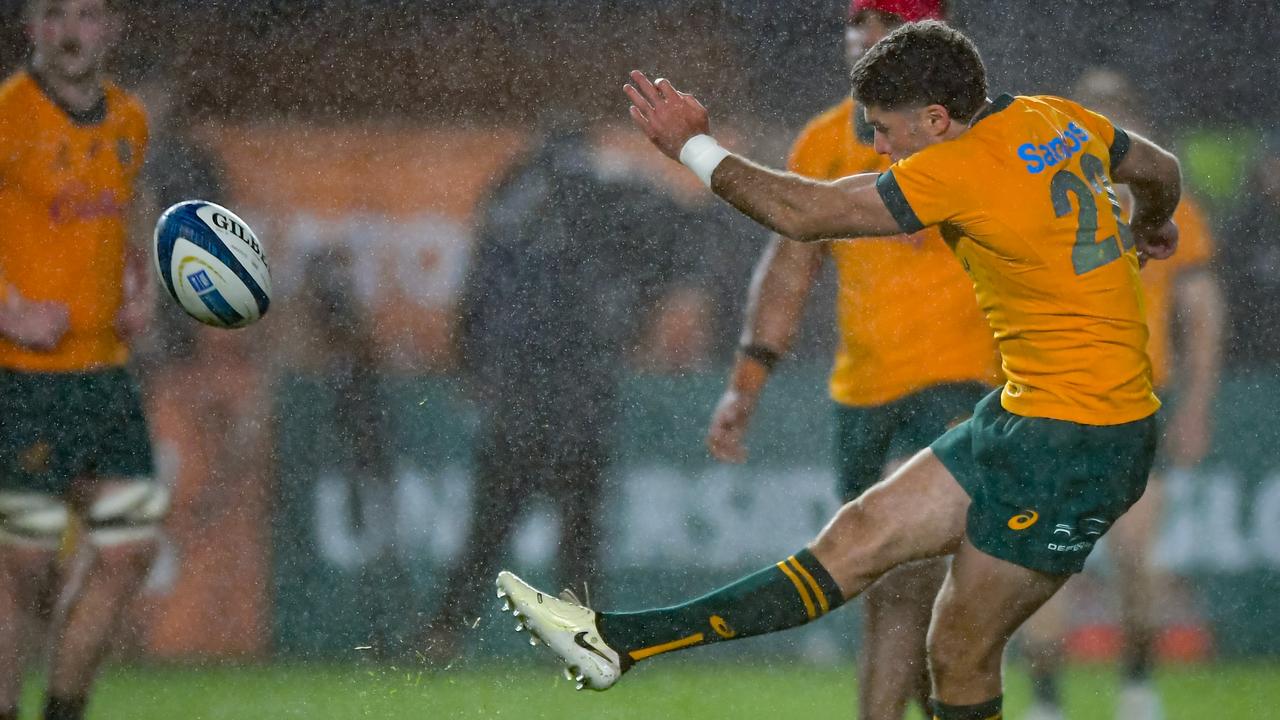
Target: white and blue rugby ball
212 264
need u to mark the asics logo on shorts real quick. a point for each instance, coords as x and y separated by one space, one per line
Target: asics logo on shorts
721 627
1023 520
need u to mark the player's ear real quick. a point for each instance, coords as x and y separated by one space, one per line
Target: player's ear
937 119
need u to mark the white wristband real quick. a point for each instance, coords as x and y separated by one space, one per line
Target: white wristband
701 154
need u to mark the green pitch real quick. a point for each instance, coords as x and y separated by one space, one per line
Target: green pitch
676 689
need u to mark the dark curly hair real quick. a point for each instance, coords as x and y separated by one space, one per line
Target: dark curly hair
922 63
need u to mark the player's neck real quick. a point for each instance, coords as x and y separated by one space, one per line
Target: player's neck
78 95
958 128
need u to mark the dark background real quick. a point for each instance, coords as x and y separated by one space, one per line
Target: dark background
1199 61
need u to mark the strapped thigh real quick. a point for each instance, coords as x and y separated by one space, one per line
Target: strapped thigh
125 512
32 519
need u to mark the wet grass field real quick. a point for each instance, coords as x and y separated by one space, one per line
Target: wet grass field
689 690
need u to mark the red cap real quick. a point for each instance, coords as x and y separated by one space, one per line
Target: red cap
908 10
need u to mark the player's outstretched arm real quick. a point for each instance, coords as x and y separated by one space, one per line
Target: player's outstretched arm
791 205
775 302
1155 179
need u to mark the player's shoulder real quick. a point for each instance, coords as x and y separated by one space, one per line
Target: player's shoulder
1034 109
15 90
828 146
124 104
825 131
834 120
1054 101
1090 120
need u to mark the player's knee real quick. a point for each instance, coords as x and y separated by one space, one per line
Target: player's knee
956 658
858 537
128 517
945 660
32 520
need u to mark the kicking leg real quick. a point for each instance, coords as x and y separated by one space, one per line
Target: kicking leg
983 600
917 513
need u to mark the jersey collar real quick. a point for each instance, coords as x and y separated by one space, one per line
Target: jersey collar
1000 103
93 116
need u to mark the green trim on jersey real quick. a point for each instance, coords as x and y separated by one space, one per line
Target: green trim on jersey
1119 147
896 202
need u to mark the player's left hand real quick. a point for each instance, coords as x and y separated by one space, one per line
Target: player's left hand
1158 243
1188 435
133 319
667 116
136 313
727 436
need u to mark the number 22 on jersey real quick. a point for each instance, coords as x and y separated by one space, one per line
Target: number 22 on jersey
1088 253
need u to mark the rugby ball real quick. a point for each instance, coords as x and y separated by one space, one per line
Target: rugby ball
212 264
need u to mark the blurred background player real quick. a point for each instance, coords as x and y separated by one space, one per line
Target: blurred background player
545 334
75 456
353 372
1185 316
1253 264
899 299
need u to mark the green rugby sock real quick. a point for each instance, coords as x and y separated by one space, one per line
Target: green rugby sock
781 596
989 710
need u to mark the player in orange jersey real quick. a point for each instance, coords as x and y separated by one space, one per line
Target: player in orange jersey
1181 294
1020 492
75 456
887 404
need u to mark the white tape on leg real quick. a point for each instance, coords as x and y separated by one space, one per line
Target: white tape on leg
32 520
128 512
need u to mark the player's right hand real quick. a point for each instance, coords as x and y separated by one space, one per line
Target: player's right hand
667 116
726 438
34 324
1159 243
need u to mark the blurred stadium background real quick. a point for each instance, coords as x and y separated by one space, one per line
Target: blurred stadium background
375 126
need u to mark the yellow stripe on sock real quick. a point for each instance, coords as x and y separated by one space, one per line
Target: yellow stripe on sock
804 594
643 653
813 584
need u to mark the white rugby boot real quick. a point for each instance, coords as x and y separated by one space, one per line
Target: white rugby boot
1139 701
567 627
